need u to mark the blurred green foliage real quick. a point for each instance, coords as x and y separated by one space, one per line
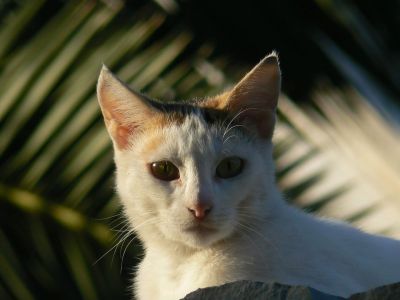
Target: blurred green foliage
60 221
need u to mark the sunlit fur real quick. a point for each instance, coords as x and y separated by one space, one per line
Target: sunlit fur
250 234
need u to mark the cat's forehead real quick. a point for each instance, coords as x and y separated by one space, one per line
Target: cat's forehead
197 126
178 134
191 137
205 109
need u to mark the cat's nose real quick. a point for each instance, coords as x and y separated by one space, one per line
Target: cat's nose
199 210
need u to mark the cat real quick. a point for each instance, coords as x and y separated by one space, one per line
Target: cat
196 180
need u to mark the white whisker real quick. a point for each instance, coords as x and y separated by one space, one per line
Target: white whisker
125 235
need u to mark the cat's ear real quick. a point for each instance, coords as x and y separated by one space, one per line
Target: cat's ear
124 110
254 99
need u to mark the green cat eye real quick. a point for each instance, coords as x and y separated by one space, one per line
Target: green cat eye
229 167
164 170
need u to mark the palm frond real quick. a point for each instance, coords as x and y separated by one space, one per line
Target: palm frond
55 155
59 213
357 148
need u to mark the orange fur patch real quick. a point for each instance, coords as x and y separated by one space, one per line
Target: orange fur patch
151 143
151 129
217 102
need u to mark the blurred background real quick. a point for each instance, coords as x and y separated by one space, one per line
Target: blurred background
337 142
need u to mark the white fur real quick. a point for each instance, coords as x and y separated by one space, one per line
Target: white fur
254 236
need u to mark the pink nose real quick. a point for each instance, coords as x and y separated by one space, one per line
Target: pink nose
200 211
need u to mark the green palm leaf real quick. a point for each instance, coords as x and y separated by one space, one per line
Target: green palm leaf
59 214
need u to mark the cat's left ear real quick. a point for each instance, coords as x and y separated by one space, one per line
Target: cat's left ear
125 111
254 99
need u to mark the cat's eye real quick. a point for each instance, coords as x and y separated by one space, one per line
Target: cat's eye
229 167
164 170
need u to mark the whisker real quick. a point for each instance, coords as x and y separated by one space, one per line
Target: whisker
236 116
126 248
118 214
121 231
229 129
267 240
227 139
123 223
125 235
122 242
112 248
248 237
233 119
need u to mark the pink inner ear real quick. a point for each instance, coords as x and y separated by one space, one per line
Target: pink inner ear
115 122
119 131
122 136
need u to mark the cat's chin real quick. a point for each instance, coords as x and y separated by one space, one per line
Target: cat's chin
197 236
198 240
200 237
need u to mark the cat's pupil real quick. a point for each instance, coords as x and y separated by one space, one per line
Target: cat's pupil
229 167
164 170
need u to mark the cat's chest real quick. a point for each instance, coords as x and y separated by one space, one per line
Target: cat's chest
173 278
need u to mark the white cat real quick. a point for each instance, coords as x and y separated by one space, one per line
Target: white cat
197 183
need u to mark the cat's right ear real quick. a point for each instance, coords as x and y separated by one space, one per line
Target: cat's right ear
252 102
124 110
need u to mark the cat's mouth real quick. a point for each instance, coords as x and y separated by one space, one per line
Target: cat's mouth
200 228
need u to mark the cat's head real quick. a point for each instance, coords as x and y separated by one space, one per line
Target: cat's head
195 172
